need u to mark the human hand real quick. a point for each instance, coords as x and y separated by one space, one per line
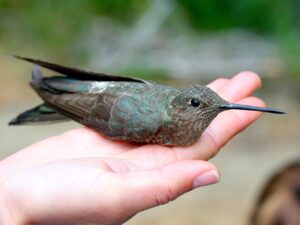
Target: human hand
80 177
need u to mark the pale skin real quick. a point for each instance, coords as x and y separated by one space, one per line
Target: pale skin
80 177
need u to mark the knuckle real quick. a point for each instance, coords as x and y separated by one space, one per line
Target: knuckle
164 195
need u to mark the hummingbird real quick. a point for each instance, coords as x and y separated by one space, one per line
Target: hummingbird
124 108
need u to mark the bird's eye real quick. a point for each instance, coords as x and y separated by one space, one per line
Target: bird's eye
195 102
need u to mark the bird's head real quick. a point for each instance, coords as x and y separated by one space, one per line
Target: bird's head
199 105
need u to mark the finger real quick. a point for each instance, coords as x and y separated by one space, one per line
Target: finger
217 84
156 187
220 131
240 86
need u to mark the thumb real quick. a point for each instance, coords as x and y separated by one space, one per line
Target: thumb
148 189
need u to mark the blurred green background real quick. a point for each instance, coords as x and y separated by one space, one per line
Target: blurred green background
173 41
63 30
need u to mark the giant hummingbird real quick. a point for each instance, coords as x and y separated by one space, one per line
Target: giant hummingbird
124 108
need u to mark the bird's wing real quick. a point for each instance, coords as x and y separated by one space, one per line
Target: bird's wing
121 116
125 117
79 74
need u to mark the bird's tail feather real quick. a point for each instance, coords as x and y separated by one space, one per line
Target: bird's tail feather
39 114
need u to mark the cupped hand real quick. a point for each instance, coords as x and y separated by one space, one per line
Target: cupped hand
80 177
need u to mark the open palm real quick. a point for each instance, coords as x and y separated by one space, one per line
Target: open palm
80 177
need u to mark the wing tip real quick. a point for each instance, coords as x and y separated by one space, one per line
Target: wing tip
77 73
14 122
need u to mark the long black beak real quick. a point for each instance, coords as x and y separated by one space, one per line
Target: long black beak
250 108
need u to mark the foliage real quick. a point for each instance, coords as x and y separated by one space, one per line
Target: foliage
55 24
52 26
256 15
276 18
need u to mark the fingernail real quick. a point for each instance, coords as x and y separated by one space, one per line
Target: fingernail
206 178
